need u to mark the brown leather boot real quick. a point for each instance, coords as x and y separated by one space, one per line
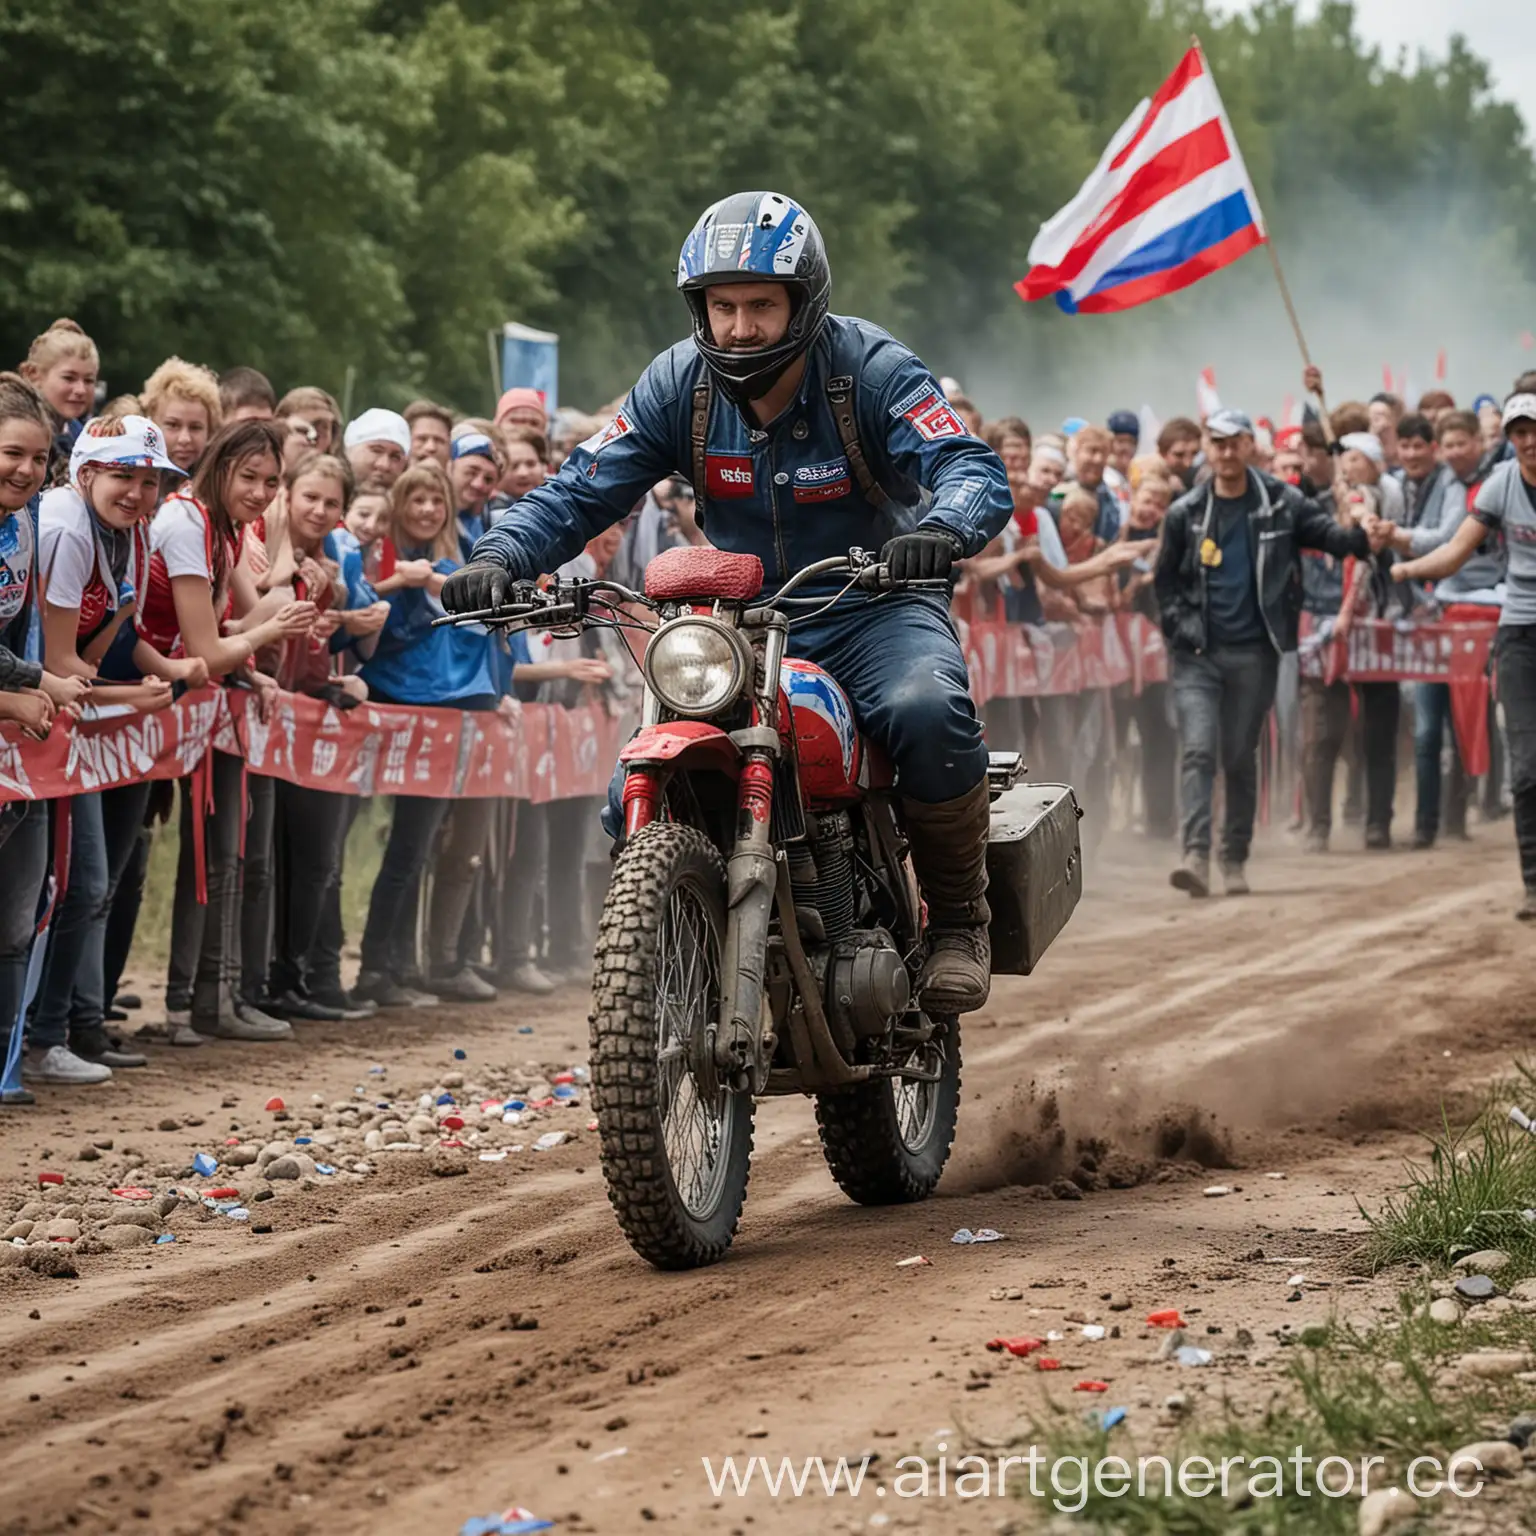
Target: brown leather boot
949 853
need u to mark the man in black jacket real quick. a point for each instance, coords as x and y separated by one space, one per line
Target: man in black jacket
1228 584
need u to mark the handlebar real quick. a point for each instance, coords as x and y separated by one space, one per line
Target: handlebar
569 602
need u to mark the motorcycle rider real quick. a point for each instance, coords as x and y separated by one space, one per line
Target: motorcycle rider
807 433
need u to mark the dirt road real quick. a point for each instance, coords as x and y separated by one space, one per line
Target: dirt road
356 1369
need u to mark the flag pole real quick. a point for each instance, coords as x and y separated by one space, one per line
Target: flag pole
1285 288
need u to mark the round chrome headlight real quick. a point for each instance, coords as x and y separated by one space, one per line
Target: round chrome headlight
696 666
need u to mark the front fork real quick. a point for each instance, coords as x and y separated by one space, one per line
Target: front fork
751 879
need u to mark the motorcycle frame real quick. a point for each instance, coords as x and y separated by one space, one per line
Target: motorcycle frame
743 1039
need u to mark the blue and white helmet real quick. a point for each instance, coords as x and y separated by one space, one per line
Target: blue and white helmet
756 237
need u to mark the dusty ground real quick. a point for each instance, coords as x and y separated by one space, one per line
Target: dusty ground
353 1370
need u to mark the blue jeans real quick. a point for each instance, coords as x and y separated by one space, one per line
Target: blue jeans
412 833
900 663
73 969
1431 717
23 867
1222 697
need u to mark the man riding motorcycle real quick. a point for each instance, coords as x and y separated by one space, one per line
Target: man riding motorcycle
806 433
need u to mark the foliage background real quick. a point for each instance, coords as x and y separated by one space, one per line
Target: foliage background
308 185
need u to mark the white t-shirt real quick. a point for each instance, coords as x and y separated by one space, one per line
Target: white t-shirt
70 556
180 537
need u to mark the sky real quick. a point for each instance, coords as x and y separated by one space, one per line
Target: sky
1502 32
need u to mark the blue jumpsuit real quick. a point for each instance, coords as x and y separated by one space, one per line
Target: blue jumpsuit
786 494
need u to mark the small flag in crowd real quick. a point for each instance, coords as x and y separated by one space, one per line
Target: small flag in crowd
1169 203
1206 398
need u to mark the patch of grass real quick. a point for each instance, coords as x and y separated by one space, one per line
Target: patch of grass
1346 1393
1472 1192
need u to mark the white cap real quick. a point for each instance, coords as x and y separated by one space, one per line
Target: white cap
378 426
1367 443
1519 408
140 445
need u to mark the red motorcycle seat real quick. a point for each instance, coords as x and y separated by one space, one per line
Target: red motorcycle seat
699 571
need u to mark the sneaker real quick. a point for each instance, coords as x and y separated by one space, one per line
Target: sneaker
350 1007
376 988
1193 875
529 978
463 986
416 998
1233 879
59 1064
176 1030
1423 840
1526 911
1315 842
17 1097
298 1006
1378 839
128 1000
114 1015
263 1009
93 1043
242 1022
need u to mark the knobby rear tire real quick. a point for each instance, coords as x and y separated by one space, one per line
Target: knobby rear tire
862 1136
667 867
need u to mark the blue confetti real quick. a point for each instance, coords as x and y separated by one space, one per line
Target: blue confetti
1113 1416
376 1071
324 1168
205 1165
238 1213
461 1055
166 1237
525 1029
565 1091
446 1098
302 1141
513 1106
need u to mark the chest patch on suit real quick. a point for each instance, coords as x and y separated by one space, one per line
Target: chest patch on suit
823 482
728 475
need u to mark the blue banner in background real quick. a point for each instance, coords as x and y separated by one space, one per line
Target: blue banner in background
530 359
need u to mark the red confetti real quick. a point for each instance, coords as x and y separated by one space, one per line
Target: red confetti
540 1103
452 1122
133 1192
1020 1347
50 1178
1166 1319
454 1142
275 1103
1045 1363
591 1125
1091 1386
563 1077
231 1141
223 1194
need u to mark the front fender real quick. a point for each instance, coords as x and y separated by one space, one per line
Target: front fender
683 744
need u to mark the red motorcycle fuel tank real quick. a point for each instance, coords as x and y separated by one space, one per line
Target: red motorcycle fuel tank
826 739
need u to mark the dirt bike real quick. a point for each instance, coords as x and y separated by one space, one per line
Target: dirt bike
763 930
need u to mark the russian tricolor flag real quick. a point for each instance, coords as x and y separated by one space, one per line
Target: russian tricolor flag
1169 203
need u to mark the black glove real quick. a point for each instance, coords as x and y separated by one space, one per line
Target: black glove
474 587
925 555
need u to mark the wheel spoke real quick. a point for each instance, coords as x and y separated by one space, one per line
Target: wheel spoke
687 986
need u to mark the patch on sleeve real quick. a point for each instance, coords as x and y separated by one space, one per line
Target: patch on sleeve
823 482
933 417
617 428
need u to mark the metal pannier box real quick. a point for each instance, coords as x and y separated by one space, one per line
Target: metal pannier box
1034 872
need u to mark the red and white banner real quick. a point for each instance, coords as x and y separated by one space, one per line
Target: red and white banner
1025 661
542 753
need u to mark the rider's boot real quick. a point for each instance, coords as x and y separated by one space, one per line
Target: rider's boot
949 853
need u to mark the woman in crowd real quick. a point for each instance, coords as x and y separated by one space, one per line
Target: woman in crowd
319 410
29 695
182 399
196 589
311 823
93 558
62 366
417 664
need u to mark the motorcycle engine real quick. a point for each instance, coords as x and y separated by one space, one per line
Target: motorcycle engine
867 981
